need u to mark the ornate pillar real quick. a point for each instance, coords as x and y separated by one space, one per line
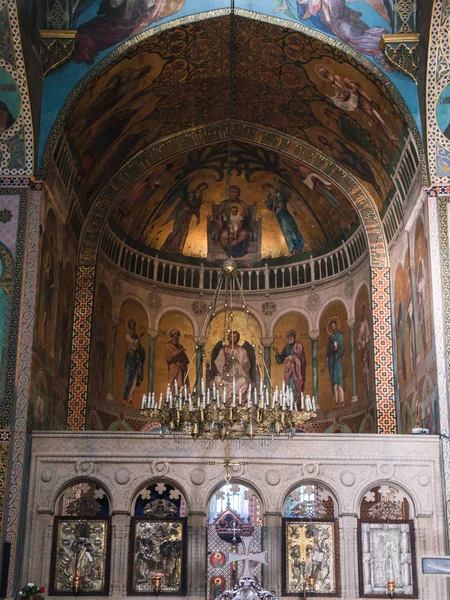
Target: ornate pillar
196 564
152 335
267 343
272 536
112 355
349 568
314 336
351 326
120 530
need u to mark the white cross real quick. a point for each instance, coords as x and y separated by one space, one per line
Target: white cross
260 557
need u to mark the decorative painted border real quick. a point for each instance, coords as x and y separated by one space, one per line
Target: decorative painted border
3 473
16 482
17 71
439 244
15 314
373 71
438 76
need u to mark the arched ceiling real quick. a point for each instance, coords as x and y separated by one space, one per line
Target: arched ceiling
284 81
282 205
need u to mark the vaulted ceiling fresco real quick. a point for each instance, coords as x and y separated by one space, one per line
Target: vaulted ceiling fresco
284 81
276 207
104 24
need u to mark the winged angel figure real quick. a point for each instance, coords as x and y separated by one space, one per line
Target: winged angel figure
185 204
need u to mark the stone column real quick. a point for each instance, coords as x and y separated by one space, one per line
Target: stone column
429 545
272 542
351 326
120 532
110 396
267 343
196 554
314 336
152 335
349 568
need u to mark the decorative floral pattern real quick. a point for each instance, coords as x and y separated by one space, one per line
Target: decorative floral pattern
154 301
269 308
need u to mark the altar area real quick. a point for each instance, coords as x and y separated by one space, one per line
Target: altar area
348 497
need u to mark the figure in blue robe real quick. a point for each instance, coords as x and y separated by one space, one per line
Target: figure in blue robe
277 203
335 353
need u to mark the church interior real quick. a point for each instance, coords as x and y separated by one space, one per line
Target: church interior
225 299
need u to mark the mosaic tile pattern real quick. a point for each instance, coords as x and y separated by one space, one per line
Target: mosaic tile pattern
383 350
21 384
79 367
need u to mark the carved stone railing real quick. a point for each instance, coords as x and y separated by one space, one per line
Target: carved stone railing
267 277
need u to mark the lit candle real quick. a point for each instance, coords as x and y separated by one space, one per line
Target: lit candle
202 385
283 396
208 397
240 397
224 396
255 396
302 401
308 402
313 403
144 400
185 391
273 400
283 388
168 391
160 400
190 402
276 395
176 388
261 386
214 391
267 397
234 400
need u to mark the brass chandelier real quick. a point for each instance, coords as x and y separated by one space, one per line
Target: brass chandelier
221 413
227 411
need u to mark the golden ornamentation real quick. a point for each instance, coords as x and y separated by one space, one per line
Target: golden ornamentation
229 422
56 49
402 52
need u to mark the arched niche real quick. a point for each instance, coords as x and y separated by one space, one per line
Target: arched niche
297 322
310 539
81 543
160 499
328 376
234 511
158 539
165 352
386 540
102 334
81 495
250 334
131 358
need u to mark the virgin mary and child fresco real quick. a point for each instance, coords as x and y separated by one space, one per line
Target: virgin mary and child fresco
233 224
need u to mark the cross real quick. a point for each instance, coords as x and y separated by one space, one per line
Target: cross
260 557
436 565
228 463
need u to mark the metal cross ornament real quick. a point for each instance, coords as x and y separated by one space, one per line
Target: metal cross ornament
247 556
228 463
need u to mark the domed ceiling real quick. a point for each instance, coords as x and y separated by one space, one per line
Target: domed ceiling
179 80
276 207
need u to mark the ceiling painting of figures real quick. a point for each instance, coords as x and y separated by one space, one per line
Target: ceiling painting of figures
274 208
308 90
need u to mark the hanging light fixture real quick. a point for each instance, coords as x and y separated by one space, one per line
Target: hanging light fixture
227 411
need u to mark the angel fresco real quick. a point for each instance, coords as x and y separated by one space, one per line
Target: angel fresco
185 204
335 17
278 202
117 20
348 95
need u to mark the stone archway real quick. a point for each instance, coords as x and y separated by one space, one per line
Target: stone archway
102 205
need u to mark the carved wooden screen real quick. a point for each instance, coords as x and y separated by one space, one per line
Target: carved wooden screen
310 543
386 544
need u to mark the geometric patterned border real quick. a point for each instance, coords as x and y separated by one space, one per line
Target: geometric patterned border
81 333
383 350
439 257
20 135
16 474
